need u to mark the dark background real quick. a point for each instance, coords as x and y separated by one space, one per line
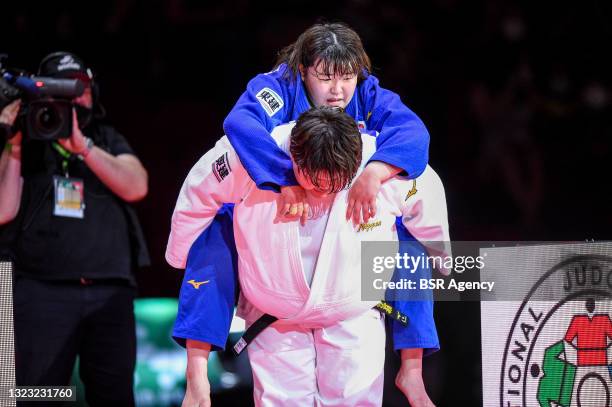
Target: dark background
516 96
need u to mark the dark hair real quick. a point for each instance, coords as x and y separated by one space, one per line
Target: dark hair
325 140
338 47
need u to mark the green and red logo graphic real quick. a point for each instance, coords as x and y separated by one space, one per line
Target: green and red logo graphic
559 349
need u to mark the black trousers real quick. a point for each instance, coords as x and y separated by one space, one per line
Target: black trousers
56 321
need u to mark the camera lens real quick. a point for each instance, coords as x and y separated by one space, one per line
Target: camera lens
47 119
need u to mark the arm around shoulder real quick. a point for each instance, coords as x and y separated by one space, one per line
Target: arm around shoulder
263 106
403 139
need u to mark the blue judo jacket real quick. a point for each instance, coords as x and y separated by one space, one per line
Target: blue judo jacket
205 313
272 99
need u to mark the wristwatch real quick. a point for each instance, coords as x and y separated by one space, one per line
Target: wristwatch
89 144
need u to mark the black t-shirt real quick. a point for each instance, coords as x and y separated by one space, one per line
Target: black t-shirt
47 246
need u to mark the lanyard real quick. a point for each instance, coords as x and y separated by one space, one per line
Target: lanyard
65 156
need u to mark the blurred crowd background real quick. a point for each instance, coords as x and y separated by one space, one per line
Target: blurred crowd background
516 96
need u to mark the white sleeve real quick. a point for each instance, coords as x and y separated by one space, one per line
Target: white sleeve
424 213
217 178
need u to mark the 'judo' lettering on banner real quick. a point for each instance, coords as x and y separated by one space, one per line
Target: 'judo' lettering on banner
270 101
221 167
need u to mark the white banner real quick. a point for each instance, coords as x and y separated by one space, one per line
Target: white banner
554 347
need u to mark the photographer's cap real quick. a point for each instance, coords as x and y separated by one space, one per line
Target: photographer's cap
65 65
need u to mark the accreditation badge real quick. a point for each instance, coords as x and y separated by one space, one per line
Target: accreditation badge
69 197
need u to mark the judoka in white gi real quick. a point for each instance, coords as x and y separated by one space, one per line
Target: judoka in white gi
328 346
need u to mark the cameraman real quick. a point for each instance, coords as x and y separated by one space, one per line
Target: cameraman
75 243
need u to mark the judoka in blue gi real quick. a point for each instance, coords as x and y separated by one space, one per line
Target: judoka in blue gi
327 65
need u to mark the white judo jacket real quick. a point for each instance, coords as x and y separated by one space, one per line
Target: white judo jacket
270 266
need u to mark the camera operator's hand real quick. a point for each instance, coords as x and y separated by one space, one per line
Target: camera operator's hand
10 111
10 167
123 174
76 143
8 115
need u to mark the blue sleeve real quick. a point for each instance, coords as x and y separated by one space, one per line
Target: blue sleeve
210 286
403 140
421 330
262 107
